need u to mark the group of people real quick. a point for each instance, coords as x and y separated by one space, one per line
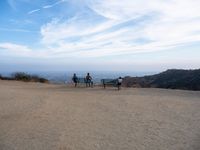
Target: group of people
88 80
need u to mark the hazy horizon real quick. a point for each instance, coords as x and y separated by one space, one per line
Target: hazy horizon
99 35
66 75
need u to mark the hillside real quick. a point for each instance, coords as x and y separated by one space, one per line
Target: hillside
170 79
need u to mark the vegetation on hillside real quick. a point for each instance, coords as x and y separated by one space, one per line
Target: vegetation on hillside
21 76
170 79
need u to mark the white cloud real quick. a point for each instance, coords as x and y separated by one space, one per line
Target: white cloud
170 24
18 50
121 27
55 31
15 49
47 6
122 9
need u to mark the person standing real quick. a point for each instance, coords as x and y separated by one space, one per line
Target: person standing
119 83
75 79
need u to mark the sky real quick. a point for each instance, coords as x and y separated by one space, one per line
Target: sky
114 35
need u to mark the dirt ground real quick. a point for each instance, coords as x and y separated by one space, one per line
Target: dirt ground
36 116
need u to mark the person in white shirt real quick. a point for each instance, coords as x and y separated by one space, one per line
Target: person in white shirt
119 83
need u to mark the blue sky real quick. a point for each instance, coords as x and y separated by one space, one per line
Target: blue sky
139 35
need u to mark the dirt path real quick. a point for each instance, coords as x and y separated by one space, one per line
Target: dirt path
37 116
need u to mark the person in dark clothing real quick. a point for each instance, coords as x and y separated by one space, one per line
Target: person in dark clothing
75 79
89 80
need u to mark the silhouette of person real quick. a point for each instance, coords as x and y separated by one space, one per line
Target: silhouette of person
75 79
88 80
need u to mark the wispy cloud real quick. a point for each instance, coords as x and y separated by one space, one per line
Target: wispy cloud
46 7
33 11
15 30
54 4
167 25
108 28
12 3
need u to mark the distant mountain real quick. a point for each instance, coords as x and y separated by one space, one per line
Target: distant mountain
170 79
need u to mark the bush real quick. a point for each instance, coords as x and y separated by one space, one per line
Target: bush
21 76
43 80
36 78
